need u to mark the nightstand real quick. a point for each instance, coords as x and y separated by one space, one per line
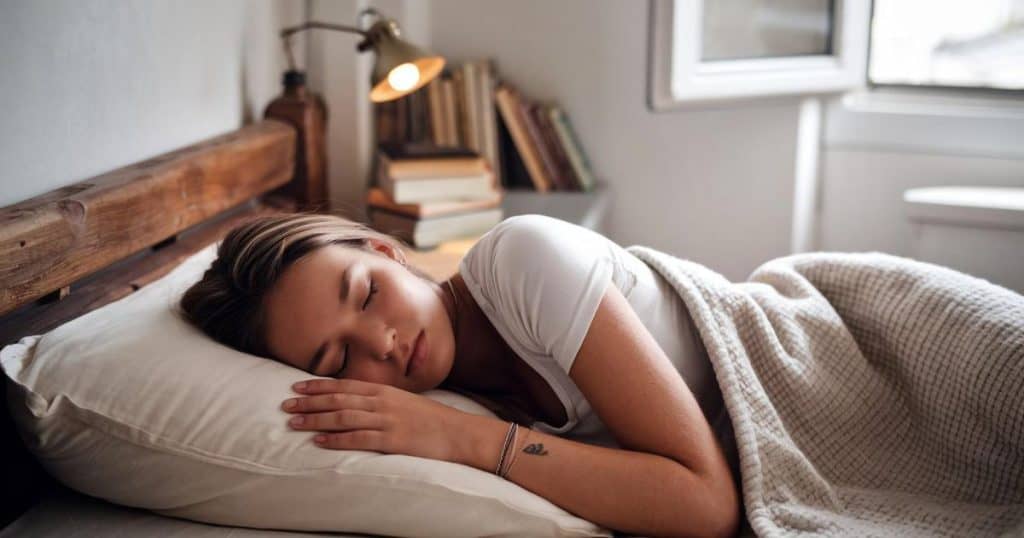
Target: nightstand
586 209
442 261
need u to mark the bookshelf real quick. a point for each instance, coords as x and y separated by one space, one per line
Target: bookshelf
586 209
427 185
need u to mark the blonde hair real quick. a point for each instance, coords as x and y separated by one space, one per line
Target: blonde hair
227 302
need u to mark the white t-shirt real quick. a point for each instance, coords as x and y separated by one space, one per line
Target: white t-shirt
539 280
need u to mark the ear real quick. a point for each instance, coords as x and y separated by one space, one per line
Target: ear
386 249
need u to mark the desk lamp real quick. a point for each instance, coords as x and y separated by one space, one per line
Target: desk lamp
400 69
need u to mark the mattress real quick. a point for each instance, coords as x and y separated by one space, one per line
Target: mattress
67 514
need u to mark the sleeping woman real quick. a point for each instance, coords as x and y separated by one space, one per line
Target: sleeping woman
609 404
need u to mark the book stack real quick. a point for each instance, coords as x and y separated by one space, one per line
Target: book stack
526 143
455 109
427 194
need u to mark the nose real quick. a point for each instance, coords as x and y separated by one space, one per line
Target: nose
390 344
371 338
378 340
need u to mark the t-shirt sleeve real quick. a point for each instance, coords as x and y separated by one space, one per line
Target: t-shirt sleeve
541 279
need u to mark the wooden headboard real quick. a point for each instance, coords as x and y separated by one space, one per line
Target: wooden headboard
77 248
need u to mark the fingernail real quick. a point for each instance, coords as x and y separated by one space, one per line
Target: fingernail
320 439
296 421
289 404
300 385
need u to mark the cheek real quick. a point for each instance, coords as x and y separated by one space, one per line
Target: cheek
410 296
369 375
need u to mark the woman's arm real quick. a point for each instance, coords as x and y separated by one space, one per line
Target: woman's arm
670 479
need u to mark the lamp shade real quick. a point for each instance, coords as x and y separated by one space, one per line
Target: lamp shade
401 68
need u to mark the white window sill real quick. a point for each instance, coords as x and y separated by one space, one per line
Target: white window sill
919 121
922 102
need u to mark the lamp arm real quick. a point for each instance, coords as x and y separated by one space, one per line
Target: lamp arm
286 36
326 26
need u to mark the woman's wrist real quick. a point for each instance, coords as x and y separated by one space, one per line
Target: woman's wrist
480 441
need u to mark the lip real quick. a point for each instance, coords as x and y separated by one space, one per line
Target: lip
419 353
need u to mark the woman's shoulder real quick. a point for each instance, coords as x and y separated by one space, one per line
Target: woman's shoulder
533 228
531 238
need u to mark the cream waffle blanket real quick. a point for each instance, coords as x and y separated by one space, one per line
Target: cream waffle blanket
871 395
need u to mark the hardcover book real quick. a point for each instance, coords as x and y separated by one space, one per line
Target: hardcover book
509 108
566 175
423 233
378 199
573 149
411 190
536 140
416 161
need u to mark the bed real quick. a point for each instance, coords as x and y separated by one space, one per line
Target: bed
73 250
73 257
77 248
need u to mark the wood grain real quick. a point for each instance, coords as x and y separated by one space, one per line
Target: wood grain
131 274
52 240
307 113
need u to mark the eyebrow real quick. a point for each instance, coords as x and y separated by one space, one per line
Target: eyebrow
346 283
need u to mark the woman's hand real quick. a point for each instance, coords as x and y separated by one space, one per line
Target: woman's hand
359 415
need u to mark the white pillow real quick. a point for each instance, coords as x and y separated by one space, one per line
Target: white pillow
132 404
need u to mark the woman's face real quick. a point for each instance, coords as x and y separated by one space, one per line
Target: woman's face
323 316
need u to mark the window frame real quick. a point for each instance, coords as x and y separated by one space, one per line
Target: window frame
929 92
678 78
911 118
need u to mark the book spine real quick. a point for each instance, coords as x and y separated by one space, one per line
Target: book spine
554 144
462 111
510 114
490 130
442 190
435 112
471 105
572 147
451 116
418 124
378 199
436 168
384 120
401 119
513 172
537 139
430 232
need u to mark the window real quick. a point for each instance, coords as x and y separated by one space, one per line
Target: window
714 50
959 44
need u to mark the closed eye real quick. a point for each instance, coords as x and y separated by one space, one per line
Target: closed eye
373 290
366 303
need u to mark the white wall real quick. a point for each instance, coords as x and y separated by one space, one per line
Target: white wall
876 148
89 86
711 185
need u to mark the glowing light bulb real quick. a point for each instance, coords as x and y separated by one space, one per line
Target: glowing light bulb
404 77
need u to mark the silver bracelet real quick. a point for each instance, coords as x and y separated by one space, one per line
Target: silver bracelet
512 453
508 439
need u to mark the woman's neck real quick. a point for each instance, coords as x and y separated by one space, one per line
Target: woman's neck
482 360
